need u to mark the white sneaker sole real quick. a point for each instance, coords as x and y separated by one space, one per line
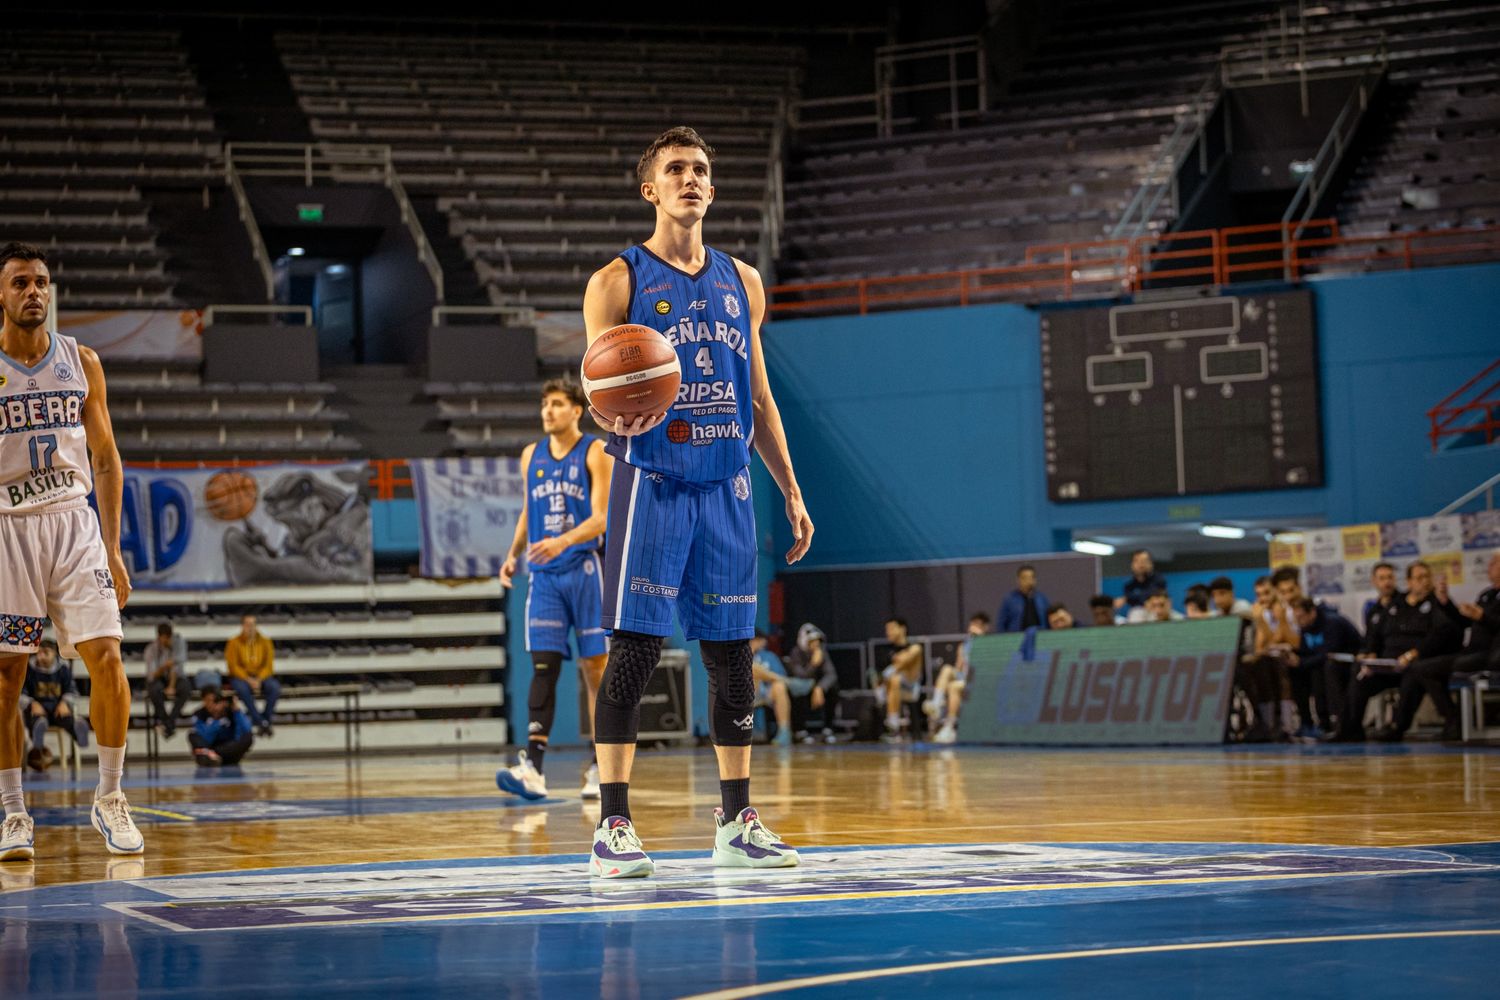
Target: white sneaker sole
510 783
21 852
734 859
627 869
590 793
110 844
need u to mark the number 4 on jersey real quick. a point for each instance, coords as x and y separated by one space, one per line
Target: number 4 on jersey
705 361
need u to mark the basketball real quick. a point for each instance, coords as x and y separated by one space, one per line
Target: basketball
230 495
631 371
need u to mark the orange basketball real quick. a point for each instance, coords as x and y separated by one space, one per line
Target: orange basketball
230 495
631 371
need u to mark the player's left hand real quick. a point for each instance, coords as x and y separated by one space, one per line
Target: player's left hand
121 577
802 529
545 550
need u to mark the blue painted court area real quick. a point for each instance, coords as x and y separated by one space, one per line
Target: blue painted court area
1064 920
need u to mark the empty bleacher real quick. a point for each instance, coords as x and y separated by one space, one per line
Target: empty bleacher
89 118
528 146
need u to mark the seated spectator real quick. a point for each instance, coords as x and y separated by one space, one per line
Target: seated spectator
251 659
1288 583
166 676
1221 592
1025 607
1058 616
1261 673
46 700
1383 579
770 686
902 676
221 732
1158 608
1144 581
1413 627
1196 604
1429 676
1322 633
812 682
952 684
1102 610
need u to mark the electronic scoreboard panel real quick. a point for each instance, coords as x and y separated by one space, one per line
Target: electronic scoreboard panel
1187 396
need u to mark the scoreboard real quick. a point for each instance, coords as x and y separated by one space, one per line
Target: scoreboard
1184 396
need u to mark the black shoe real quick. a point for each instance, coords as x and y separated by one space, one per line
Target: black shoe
1344 736
1387 734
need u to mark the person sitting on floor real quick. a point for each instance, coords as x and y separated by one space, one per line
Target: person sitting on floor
221 734
47 700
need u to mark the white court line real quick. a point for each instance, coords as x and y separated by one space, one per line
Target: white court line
809 982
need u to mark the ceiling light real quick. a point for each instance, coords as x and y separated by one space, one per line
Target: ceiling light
1221 531
1089 547
296 251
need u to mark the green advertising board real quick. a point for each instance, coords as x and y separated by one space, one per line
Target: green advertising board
1164 683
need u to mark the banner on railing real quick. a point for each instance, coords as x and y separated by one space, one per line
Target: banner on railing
1165 683
1336 563
246 527
468 509
136 333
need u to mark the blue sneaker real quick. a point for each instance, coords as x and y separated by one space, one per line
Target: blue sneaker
523 779
744 843
617 851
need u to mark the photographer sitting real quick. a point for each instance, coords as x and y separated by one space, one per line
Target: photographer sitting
221 734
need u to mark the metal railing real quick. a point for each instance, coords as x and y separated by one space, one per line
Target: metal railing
523 315
967 94
210 313
1483 405
1325 163
773 199
1485 489
332 162
1161 175
252 228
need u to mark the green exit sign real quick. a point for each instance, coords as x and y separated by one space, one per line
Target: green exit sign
310 213
1185 511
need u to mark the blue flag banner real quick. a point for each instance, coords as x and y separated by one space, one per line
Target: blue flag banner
468 509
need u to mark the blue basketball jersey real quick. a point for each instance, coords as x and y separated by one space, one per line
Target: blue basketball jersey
707 435
558 500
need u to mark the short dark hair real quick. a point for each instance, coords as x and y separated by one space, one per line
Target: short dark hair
566 387
1382 565
680 135
1196 600
165 628
21 251
1055 609
979 616
1305 604
1262 579
1136 552
1024 567
1285 573
896 620
50 644
1221 583
1414 564
1158 592
1102 601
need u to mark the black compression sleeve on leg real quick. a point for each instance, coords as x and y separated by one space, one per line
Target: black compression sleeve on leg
731 692
541 704
617 712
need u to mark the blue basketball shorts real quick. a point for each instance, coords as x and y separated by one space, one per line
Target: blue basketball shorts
557 601
673 545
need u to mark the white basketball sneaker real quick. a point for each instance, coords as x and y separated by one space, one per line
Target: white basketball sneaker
947 734
17 838
590 789
111 816
523 780
617 851
744 842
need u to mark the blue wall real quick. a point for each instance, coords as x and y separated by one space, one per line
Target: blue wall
917 435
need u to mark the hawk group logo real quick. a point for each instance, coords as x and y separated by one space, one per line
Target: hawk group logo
663 307
732 305
62 372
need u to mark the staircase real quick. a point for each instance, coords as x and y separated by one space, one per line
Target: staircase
461 285
1470 415
246 84
388 412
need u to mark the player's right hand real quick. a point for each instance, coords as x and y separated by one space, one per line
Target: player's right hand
640 425
507 571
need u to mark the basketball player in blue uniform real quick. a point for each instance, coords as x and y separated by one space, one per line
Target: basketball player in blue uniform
681 533
567 491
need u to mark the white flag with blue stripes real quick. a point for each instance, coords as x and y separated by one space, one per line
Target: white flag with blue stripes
468 509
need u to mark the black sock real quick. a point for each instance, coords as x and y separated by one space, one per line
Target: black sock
535 752
736 795
614 799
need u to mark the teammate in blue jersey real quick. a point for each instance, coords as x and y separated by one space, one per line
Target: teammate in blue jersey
567 493
681 524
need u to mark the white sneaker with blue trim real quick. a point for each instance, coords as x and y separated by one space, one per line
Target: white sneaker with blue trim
523 779
17 838
111 816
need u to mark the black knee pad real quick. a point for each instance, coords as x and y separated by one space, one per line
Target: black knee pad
731 692
617 712
541 699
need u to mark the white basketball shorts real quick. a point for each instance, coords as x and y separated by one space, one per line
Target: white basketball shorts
53 565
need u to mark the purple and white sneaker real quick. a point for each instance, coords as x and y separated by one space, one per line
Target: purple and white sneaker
744 842
617 851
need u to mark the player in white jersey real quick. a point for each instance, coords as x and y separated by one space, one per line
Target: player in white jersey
57 559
